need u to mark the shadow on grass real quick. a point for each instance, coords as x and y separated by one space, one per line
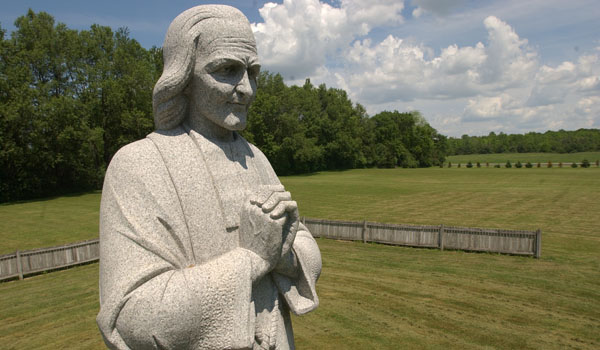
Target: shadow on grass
49 198
337 171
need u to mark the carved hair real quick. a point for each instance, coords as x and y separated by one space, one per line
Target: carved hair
169 102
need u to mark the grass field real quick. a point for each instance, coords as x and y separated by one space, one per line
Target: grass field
49 222
526 157
384 297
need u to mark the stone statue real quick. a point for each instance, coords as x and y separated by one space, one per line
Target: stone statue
200 245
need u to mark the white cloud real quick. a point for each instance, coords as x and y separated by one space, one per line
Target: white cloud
373 13
509 60
496 84
436 7
298 36
489 107
394 69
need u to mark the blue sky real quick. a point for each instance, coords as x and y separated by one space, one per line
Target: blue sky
470 67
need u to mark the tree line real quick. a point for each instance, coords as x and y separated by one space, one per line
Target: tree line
312 128
582 140
70 99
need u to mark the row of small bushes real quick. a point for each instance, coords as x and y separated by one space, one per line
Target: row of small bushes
584 164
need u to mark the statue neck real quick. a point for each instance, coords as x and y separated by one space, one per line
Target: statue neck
209 129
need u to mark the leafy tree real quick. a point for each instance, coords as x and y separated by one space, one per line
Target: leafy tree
551 141
69 100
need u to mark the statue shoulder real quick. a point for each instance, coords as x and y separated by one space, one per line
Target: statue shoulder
134 157
139 155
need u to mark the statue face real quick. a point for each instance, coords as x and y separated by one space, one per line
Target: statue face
223 85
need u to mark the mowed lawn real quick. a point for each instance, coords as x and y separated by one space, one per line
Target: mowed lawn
49 222
534 158
385 297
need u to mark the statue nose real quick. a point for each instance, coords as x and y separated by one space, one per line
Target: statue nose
244 86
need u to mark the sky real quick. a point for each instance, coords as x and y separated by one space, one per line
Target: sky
470 67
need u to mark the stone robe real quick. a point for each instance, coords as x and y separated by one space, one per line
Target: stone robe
172 275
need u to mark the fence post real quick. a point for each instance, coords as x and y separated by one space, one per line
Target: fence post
538 243
441 237
19 265
364 231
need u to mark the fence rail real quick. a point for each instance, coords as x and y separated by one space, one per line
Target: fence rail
517 242
27 262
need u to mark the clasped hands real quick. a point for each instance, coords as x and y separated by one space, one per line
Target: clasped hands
269 221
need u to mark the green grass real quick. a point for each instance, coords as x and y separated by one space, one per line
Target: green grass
51 311
525 157
54 221
384 297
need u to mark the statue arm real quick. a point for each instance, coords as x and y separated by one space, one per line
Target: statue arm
296 280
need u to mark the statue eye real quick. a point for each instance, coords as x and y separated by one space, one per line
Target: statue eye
253 71
227 69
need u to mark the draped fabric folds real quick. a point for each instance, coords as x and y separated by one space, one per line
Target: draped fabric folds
172 276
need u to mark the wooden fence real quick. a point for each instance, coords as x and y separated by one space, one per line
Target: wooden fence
27 262
515 242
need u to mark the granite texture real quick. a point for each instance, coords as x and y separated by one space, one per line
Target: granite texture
200 244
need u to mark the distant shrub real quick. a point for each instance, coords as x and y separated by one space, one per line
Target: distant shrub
449 164
529 165
597 162
518 164
459 165
487 165
539 165
469 164
560 164
573 165
478 165
508 165
549 164
585 163
497 166
441 164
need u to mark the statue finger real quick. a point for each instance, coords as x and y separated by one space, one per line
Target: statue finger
264 193
275 199
285 207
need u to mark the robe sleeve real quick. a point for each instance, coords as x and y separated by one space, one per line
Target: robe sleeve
299 292
152 295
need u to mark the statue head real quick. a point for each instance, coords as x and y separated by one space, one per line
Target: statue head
210 69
